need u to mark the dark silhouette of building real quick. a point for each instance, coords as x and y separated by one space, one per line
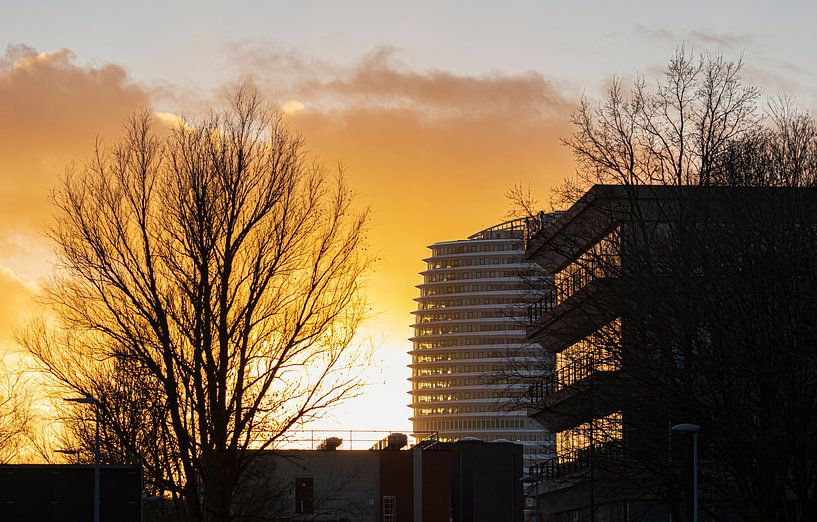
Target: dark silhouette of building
639 300
431 482
57 493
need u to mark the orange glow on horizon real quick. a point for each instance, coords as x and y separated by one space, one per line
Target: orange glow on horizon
431 154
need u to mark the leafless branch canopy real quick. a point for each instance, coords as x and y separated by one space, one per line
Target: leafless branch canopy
15 413
674 132
222 265
710 278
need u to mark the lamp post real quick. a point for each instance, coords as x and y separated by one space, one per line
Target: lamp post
693 429
530 479
69 452
91 400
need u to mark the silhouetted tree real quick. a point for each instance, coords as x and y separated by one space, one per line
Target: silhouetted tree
133 413
209 280
721 289
674 133
15 413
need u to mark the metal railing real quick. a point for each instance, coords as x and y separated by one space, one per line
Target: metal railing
573 278
539 392
576 371
607 455
347 439
535 224
538 309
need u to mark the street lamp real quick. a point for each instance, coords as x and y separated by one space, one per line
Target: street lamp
91 400
530 479
693 429
69 452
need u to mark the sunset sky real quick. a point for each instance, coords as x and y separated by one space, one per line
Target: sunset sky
436 109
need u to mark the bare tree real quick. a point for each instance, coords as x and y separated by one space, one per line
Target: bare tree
522 202
133 412
670 134
717 292
15 413
220 265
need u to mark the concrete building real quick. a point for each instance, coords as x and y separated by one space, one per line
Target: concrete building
646 287
471 365
581 324
431 482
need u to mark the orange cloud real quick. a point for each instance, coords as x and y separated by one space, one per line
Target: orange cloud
432 152
51 111
381 80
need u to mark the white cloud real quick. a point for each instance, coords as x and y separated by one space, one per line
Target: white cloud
292 107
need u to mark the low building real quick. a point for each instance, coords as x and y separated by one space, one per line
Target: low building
59 492
431 482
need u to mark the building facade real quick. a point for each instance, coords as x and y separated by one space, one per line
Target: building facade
471 365
665 299
582 402
57 492
431 482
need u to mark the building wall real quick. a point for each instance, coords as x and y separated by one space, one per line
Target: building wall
613 259
471 364
57 492
486 483
438 482
346 484
396 481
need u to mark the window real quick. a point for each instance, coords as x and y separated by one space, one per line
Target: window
389 508
304 495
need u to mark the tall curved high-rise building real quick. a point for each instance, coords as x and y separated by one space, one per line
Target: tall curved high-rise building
471 366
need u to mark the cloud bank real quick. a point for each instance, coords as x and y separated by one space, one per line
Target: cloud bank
52 109
432 152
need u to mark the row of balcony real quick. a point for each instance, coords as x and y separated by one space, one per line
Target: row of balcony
543 392
573 278
538 309
604 456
